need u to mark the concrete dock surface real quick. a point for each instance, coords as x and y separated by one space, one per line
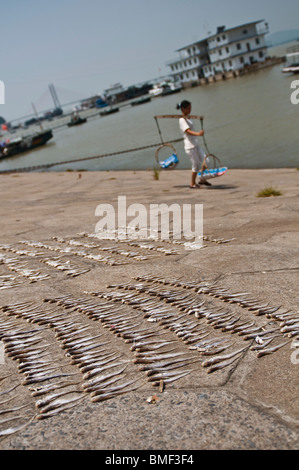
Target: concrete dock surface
54 274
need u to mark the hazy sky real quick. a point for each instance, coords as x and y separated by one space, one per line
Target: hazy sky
85 46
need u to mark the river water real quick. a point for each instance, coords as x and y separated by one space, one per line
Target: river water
249 122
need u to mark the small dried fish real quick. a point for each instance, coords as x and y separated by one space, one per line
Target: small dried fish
221 365
107 396
58 407
112 389
102 378
98 370
10 390
17 408
156 368
149 360
271 350
50 388
170 379
262 344
29 381
217 359
90 369
8 432
50 398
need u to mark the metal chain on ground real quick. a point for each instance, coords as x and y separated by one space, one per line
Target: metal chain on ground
67 162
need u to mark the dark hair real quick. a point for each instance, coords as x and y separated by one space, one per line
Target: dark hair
183 105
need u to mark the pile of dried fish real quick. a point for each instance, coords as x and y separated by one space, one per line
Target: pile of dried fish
22 268
9 281
69 268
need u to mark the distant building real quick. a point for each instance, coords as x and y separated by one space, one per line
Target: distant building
226 51
113 91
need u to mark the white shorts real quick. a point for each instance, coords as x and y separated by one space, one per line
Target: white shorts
196 155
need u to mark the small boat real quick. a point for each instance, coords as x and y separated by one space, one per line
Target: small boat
76 120
141 101
165 88
109 111
170 89
292 61
24 144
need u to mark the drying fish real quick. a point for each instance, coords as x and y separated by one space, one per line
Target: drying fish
103 385
50 388
112 389
262 343
215 350
8 432
230 325
208 343
10 390
92 350
166 374
170 379
288 328
43 378
245 331
269 311
102 378
149 352
12 418
271 350
95 356
17 408
90 368
217 359
6 401
260 333
167 364
149 360
98 370
107 396
58 407
156 344
50 398
221 365
289 322
85 349
258 307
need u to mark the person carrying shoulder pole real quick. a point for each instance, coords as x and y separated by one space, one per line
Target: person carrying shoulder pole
191 145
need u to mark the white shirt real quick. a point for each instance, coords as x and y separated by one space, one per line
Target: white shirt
190 141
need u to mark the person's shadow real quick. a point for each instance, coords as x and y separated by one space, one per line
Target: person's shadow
210 188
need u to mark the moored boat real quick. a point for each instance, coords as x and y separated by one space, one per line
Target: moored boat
76 120
24 144
141 101
109 111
